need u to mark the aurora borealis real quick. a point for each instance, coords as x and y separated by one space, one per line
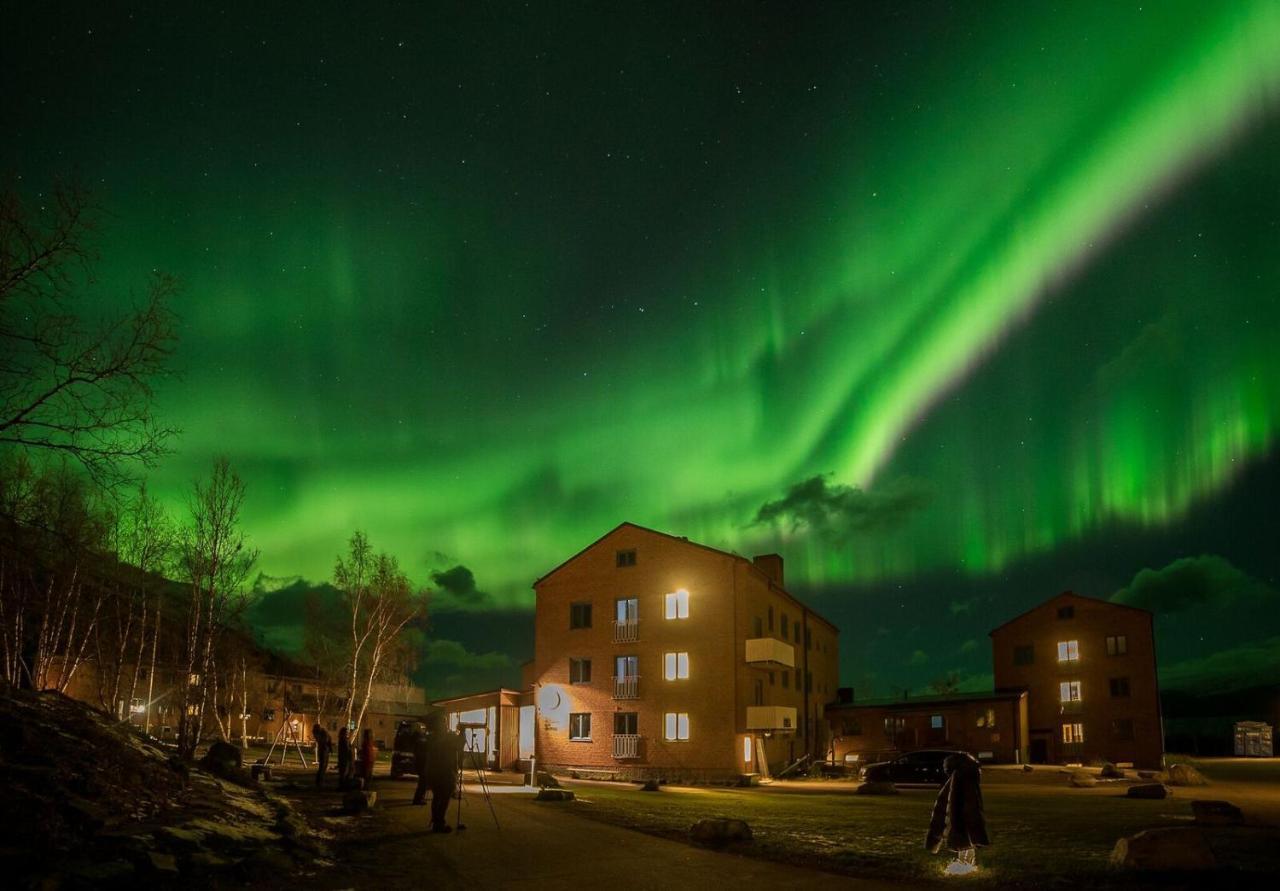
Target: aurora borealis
486 281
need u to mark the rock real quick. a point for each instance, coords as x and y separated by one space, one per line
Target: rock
1148 790
108 874
223 760
261 771
176 838
650 786
1146 774
1111 772
877 789
357 801
1217 813
1026 768
555 795
1082 779
1181 847
162 864
203 860
720 831
547 781
1184 775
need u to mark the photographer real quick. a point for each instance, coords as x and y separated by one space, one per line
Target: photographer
441 753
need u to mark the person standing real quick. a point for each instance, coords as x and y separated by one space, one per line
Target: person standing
344 758
323 747
442 752
420 764
368 755
957 814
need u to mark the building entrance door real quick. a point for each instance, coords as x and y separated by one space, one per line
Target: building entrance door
1039 750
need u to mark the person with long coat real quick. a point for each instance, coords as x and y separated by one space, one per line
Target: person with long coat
344 758
441 759
957 814
323 747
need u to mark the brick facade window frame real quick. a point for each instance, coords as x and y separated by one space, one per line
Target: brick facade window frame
1117 645
579 615
625 558
580 726
675 726
579 671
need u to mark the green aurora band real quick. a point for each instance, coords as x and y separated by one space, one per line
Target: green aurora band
888 302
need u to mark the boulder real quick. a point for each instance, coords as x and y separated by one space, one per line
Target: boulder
1181 847
547 781
1216 813
223 760
1148 790
204 860
555 795
1184 775
1082 779
1111 772
357 801
1146 774
162 864
650 786
720 831
877 789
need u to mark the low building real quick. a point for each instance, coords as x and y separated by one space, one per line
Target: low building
497 727
990 726
1088 667
655 656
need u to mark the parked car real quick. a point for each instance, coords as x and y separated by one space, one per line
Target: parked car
404 756
924 767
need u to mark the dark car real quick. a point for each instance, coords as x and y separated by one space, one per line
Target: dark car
404 755
924 767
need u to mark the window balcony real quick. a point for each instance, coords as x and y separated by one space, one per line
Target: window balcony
1074 707
626 745
769 652
626 632
626 688
1071 751
771 717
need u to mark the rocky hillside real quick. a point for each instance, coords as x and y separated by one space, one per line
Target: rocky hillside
88 803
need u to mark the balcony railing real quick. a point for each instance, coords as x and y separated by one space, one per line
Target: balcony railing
626 688
1074 707
771 717
626 745
626 632
769 652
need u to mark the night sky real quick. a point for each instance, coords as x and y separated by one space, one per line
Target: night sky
954 305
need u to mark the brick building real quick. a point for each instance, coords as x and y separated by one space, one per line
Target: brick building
659 657
992 726
1089 669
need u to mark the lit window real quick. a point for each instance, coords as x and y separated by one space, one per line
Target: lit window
1073 733
935 722
677 725
678 604
746 749
1069 691
1068 650
580 725
677 666
1117 645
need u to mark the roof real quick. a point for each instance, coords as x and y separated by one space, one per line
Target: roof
1026 613
498 692
923 701
680 538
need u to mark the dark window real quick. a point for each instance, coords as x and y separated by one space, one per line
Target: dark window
770 618
580 725
1122 728
759 627
893 726
579 671
798 681
786 626
626 558
626 723
808 640
1024 655
759 691
1117 645
1066 612
1119 687
852 727
786 680
771 679
796 628
579 615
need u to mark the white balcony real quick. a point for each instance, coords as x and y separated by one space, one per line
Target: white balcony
626 632
626 745
769 652
626 687
771 717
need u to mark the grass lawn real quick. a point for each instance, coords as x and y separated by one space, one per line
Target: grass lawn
1041 829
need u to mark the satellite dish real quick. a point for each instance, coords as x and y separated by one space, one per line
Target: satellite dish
550 698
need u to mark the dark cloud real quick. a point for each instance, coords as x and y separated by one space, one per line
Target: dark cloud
919 657
455 588
1229 669
836 511
1192 582
449 668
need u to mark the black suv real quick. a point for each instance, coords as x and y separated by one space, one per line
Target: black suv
404 756
924 767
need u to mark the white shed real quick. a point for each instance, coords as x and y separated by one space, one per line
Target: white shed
1253 739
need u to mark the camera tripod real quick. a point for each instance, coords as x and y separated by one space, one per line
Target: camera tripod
484 787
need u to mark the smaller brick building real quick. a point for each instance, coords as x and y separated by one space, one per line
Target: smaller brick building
1089 669
992 726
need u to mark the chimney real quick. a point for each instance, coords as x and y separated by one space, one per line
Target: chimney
770 565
